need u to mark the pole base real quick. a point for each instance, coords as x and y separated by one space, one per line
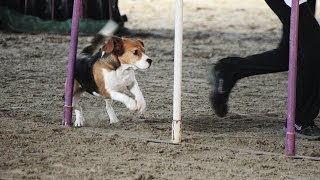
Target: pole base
290 146
176 131
67 115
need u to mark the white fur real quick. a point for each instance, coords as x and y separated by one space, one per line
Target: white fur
78 110
141 103
142 63
96 94
116 82
112 115
79 118
102 53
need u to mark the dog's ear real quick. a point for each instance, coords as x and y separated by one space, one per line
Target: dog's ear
114 46
142 44
108 47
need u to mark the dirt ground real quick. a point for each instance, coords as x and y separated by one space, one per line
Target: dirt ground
35 145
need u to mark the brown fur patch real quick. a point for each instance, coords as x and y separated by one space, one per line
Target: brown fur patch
133 50
76 87
98 78
114 46
110 63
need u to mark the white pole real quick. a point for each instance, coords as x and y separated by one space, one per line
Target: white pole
176 123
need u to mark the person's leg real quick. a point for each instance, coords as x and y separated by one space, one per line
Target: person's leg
277 60
308 75
227 71
273 61
312 5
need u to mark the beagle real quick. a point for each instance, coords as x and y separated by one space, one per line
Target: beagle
109 72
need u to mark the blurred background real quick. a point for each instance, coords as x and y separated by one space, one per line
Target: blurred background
55 15
220 15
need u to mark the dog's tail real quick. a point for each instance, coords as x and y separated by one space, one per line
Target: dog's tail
105 33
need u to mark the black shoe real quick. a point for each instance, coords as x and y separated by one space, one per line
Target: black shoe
222 81
311 132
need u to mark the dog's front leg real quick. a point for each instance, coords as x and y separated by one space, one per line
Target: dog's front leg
112 115
141 103
125 99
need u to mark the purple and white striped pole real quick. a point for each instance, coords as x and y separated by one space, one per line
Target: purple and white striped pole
71 60
294 21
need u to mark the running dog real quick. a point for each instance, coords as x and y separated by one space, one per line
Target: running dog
109 72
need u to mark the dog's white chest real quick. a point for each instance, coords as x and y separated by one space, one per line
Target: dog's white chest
118 80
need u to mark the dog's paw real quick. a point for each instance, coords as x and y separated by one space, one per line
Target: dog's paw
132 105
141 105
79 118
78 123
114 120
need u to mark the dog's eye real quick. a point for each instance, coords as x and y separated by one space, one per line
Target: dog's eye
135 52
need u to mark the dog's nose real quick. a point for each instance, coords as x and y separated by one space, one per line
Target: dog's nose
149 61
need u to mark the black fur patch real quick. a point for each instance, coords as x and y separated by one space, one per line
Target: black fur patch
84 72
97 40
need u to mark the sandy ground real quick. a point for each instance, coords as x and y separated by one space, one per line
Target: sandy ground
34 144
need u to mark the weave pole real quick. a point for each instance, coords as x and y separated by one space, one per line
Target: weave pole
71 60
177 81
292 76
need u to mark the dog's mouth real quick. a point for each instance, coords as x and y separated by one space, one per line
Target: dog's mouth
138 66
140 69
135 67
146 65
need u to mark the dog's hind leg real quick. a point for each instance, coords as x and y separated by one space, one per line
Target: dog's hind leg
112 115
77 91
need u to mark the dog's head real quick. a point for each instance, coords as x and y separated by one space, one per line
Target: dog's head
129 52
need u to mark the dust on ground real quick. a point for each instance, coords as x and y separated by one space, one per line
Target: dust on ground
34 144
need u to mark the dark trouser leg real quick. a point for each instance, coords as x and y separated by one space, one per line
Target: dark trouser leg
275 60
308 77
312 5
308 90
308 83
